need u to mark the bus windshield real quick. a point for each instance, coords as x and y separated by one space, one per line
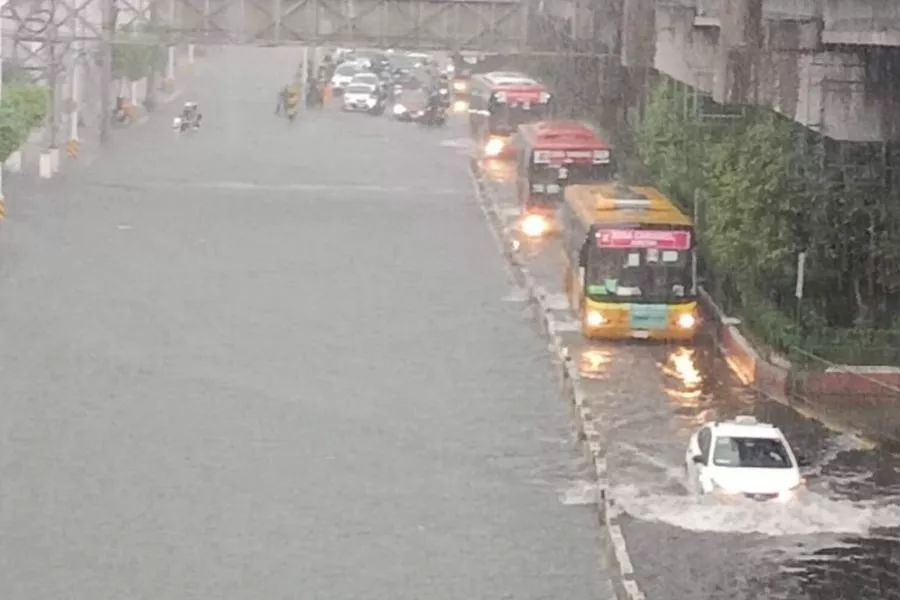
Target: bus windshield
571 174
506 118
638 275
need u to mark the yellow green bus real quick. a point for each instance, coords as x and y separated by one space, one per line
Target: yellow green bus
630 263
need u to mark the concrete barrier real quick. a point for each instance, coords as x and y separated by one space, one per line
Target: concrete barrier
615 546
769 375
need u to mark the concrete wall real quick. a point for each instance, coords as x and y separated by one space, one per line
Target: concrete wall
781 57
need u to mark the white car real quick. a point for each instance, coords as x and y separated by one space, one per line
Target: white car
366 78
343 75
360 96
743 457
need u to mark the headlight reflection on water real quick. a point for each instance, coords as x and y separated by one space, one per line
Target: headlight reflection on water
594 363
681 368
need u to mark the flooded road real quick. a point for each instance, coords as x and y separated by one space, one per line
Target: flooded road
271 361
840 540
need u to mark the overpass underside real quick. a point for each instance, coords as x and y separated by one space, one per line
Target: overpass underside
833 67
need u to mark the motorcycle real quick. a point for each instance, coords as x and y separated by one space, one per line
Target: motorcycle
192 123
379 107
315 98
433 116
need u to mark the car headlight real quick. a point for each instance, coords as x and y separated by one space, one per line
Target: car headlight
594 319
459 86
399 109
687 321
535 225
494 147
370 102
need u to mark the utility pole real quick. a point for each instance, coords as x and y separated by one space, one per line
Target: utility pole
150 97
75 92
49 160
109 17
2 197
170 60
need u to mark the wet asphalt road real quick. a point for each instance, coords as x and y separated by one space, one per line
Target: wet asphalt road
273 361
841 541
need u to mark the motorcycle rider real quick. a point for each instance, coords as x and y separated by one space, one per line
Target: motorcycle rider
282 99
435 106
190 115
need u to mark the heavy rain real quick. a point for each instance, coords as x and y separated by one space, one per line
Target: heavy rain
512 299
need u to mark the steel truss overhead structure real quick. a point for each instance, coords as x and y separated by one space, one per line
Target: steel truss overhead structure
487 25
490 25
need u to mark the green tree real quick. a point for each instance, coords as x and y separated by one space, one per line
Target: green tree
672 143
137 54
23 108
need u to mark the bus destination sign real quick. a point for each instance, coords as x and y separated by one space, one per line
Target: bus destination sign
644 238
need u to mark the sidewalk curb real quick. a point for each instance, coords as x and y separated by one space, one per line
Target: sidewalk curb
608 514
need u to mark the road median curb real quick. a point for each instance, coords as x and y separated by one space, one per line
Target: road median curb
615 546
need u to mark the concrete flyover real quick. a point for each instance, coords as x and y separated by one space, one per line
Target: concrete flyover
830 65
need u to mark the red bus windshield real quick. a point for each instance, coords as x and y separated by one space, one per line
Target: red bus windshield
505 118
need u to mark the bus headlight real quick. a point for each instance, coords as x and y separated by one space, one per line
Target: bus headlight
686 321
595 319
494 147
535 226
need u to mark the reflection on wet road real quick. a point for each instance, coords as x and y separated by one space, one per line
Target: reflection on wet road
839 540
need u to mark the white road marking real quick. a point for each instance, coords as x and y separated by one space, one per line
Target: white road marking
244 186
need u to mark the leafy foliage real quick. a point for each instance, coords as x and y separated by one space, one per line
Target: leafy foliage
23 107
137 53
771 190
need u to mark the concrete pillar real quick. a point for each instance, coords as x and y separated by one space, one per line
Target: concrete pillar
45 165
740 45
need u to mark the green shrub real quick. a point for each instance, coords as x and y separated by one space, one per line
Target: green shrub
137 54
29 100
769 192
23 108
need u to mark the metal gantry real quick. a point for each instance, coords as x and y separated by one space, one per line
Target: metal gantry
488 25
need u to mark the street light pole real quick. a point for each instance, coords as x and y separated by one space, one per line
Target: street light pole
108 10
150 94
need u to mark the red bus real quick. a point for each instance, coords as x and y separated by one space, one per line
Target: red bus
551 155
499 102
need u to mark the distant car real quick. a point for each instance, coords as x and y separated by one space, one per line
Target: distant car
343 75
419 59
408 103
367 78
360 97
743 457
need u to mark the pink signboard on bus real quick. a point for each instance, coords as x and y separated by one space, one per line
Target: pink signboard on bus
644 238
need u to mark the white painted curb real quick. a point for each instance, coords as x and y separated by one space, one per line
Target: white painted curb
624 581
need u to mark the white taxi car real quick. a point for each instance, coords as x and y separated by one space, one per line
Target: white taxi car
743 457
359 97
